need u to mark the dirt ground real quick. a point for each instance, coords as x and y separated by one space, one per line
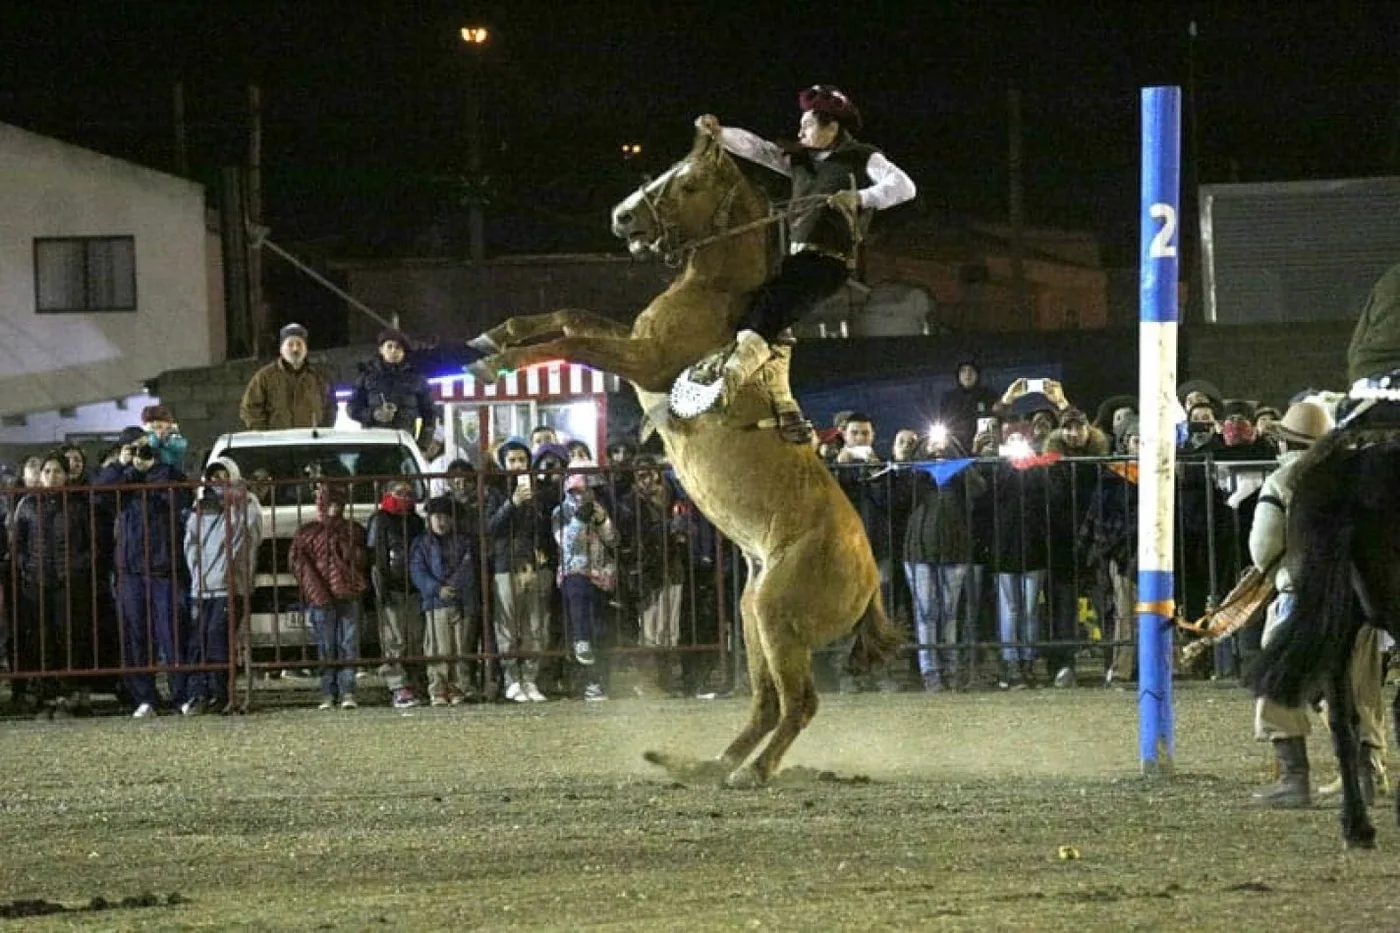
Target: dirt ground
546 817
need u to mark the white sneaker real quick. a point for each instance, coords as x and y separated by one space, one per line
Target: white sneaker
348 702
144 711
593 693
517 694
532 692
583 652
327 703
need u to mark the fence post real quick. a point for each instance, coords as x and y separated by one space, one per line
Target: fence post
1161 171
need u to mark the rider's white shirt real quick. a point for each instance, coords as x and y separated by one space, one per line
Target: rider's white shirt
890 186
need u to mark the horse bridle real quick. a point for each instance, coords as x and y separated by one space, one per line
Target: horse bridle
667 226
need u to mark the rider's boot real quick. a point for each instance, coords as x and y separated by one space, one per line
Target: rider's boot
1292 790
793 426
747 357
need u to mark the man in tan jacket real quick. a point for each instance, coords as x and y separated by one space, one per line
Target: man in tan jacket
289 392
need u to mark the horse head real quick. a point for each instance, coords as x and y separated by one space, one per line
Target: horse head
694 201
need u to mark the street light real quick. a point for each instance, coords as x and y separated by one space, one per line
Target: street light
475 37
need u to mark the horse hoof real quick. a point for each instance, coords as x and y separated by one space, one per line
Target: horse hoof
1362 839
745 778
689 770
483 370
485 345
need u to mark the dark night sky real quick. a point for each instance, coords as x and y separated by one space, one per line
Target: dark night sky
365 102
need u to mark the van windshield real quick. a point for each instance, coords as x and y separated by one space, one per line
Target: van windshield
303 462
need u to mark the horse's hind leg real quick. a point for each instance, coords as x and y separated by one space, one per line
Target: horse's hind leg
572 322
1342 718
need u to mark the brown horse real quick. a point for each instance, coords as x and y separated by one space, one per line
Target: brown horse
812 578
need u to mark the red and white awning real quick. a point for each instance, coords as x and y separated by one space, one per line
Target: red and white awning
545 381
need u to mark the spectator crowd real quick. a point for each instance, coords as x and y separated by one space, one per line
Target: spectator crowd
1005 531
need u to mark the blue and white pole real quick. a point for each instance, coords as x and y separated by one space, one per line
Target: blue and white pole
1161 183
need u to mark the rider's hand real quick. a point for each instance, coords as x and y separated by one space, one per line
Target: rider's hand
708 123
847 202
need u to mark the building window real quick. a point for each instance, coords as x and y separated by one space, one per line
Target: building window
85 274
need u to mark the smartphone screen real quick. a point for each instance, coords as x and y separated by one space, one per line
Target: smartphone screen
522 481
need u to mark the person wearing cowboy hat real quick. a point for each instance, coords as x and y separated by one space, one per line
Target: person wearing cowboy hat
1287 728
391 393
835 178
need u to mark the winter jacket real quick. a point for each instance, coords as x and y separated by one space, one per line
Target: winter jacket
1375 343
1019 532
940 525
223 531
654 547
328 558
585 544
870 495
50 539
390 540
398 384
959 409
149 525
279 397
445 560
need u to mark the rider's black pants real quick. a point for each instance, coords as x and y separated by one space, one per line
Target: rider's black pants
803 280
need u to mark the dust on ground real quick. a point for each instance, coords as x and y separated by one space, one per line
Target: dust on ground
1007 811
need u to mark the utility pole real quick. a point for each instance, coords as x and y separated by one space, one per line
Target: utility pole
182 162
1016 208
475 37
257 310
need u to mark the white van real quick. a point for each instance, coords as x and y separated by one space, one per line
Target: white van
279 467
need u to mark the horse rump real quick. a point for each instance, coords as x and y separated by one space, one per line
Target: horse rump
1317 636
876 638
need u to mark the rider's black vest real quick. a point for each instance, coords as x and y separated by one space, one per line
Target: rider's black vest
823 227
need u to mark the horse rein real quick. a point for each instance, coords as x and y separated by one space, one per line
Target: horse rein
719 222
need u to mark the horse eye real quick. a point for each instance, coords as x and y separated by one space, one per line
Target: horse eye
689 187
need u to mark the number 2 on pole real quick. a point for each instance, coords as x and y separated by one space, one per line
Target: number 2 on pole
1163 245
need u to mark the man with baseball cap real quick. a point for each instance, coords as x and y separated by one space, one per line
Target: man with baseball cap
836 182
289 392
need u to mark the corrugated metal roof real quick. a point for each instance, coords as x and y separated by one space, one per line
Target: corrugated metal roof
1287 252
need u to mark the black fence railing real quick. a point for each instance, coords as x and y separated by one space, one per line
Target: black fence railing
999 571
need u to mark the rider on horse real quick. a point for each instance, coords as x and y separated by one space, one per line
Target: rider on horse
834 179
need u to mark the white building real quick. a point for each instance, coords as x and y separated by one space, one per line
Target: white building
109 276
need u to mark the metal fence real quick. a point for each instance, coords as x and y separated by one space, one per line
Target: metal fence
179 593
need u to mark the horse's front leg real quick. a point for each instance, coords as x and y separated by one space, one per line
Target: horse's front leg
571 322
644 362
1341 717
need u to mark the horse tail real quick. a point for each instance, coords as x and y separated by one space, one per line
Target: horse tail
876 638
1317 636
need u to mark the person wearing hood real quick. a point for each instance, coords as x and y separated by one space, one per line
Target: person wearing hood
392 529
328 558
962 406
517 526
149 566
1106 545
1112 411
391 393
222 534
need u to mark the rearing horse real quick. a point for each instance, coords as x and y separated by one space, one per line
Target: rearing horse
812 578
